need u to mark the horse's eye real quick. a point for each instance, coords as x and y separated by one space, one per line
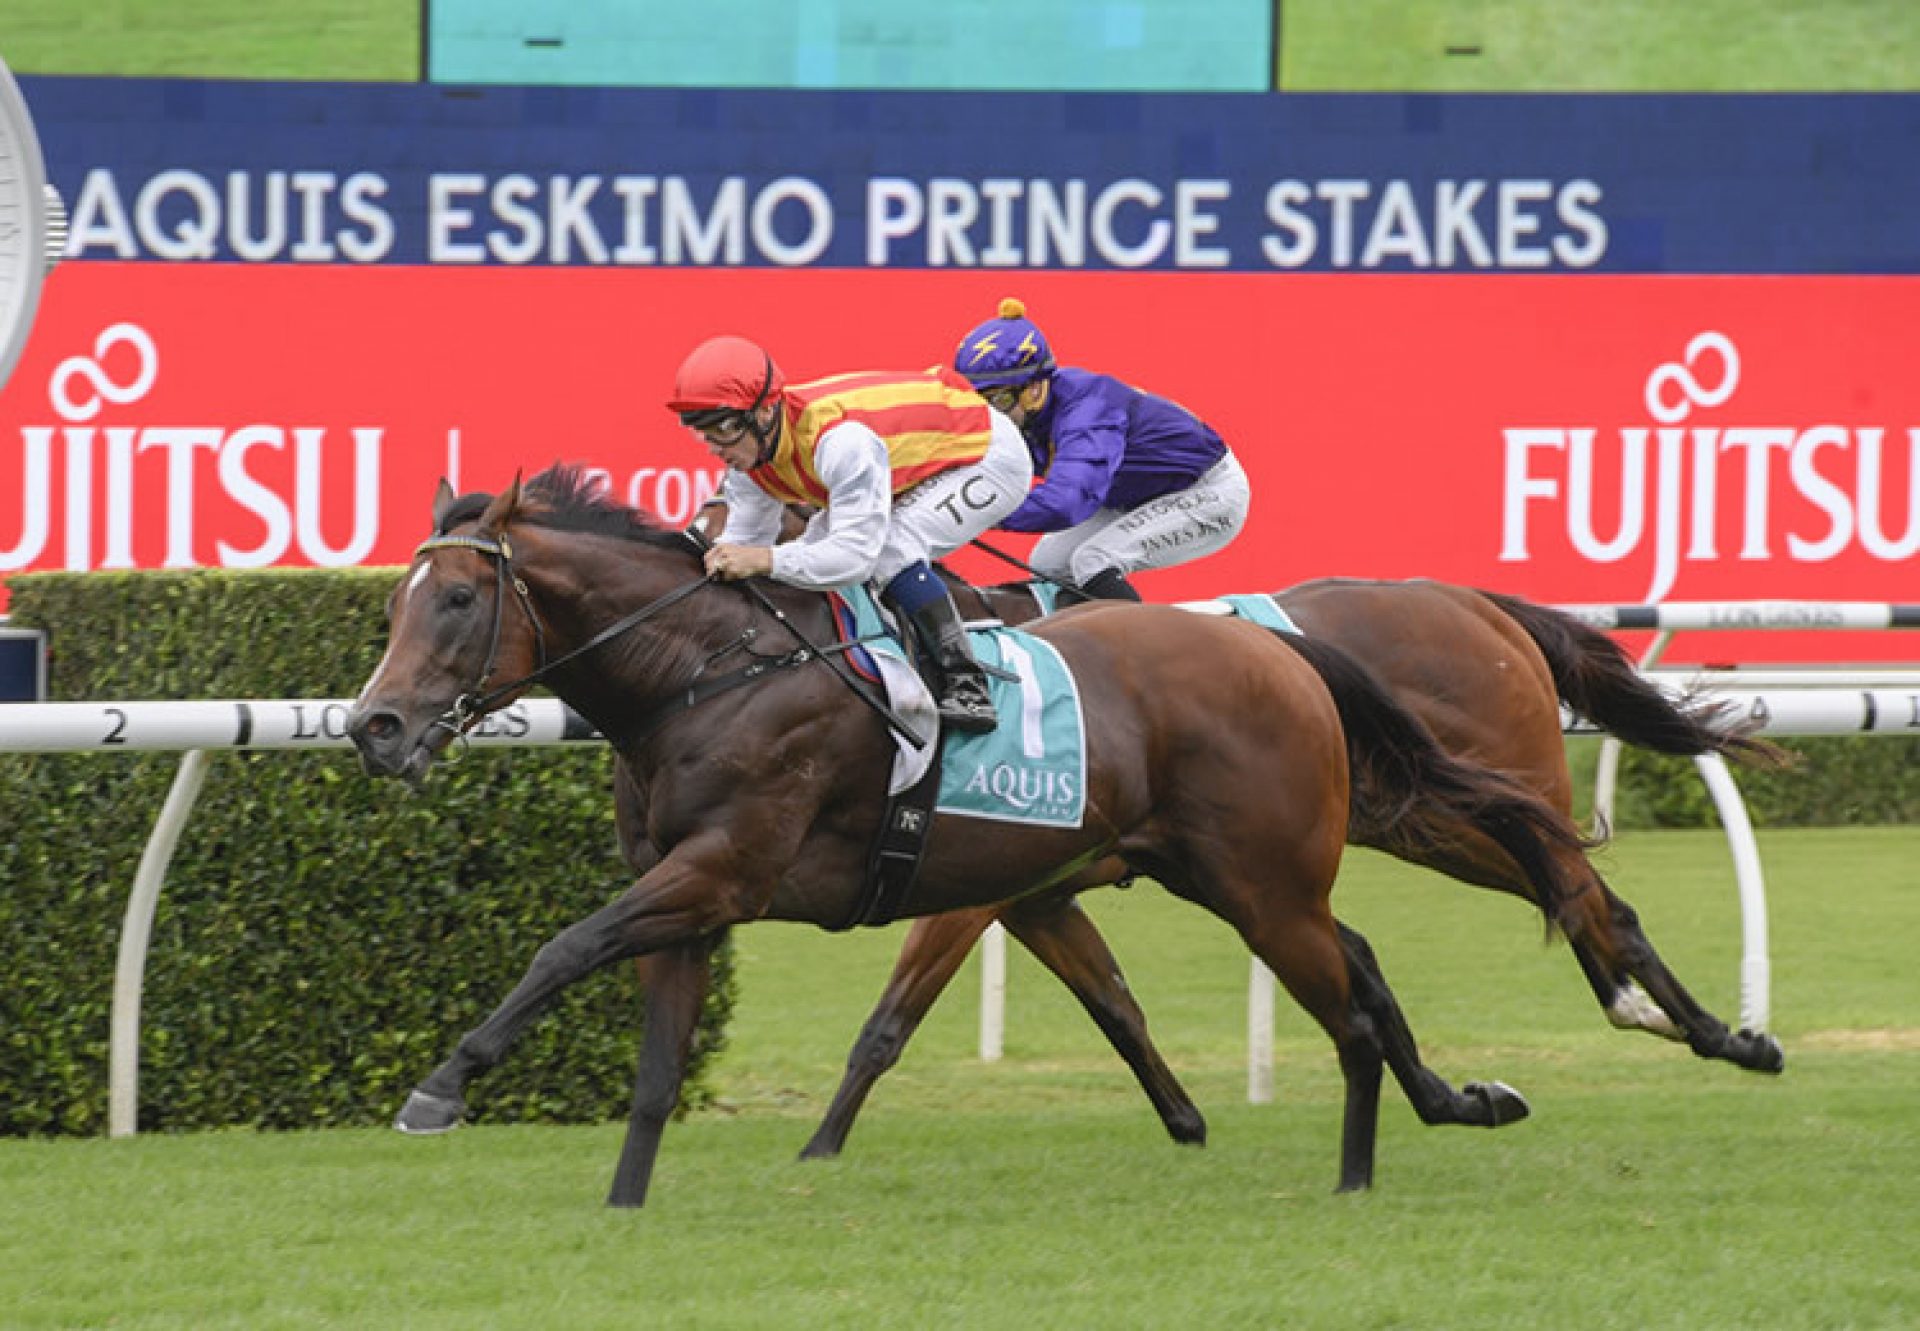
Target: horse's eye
459 598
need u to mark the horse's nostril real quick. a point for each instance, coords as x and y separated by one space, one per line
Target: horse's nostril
381 727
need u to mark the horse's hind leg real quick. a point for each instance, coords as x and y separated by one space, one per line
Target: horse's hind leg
1629 980
676 984
1478 1104
1058 932
1622 948
930 958
1304 952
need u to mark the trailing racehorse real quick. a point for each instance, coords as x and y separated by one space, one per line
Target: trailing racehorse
1488 674
1230 786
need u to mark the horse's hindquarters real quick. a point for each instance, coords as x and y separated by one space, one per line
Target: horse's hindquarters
1215 753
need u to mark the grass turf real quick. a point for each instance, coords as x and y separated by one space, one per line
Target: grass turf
1599 46
1649 1189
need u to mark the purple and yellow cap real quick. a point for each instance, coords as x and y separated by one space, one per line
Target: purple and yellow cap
1004 352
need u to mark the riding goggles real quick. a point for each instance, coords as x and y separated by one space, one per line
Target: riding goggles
721 425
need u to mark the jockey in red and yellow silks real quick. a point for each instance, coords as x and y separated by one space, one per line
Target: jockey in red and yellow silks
929 423
904 467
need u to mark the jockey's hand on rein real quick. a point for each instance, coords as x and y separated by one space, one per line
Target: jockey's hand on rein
730 563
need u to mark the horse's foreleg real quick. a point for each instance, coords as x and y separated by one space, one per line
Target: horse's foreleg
935 948
676 983
1058 932
670 905
1478 1104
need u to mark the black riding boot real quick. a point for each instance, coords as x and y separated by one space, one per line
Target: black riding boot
964 702
1109 584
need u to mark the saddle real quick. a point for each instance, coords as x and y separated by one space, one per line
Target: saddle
1030 769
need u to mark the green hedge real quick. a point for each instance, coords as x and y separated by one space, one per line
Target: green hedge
323 938
1833 782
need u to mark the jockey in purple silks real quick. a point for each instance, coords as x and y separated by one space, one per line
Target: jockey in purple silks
1130 481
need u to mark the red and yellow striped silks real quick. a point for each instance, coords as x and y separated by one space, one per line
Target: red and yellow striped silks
931 420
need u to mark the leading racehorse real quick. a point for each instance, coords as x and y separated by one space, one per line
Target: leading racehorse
1229 784
1488 674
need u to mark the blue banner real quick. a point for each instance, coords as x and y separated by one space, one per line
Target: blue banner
416 174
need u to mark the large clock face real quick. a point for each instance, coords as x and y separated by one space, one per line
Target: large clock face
23 223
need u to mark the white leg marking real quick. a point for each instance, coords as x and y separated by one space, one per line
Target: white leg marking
1633 1010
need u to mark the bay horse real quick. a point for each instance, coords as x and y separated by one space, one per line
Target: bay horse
1488 674
1229 785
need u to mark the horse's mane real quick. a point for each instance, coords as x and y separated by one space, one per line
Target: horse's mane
567 497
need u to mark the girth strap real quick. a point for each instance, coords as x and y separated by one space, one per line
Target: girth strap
894 861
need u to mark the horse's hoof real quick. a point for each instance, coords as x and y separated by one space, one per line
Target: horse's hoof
1762 1052
1188 1129
426 1115
1504 1105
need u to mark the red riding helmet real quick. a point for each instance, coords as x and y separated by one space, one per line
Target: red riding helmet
725 373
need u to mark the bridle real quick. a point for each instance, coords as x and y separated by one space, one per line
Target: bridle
474 703
471 705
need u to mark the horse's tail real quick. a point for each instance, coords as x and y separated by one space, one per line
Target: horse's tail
1411 797
1597 680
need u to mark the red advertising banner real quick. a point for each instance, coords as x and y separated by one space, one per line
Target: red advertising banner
1570 438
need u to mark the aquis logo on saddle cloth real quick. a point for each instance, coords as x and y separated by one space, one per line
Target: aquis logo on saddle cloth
1032 768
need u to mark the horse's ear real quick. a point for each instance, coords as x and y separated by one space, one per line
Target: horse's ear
501 510
442 501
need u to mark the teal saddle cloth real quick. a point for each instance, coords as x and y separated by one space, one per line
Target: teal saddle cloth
1032 768
1259 609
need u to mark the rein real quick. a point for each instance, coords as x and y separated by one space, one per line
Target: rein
1064 584
471 705
759 598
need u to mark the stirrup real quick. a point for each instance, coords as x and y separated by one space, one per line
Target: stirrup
967 707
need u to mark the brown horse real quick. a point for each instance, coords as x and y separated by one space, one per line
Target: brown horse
1230 786
1488 674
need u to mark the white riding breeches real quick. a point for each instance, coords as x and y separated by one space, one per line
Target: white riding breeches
945 511
1175 528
